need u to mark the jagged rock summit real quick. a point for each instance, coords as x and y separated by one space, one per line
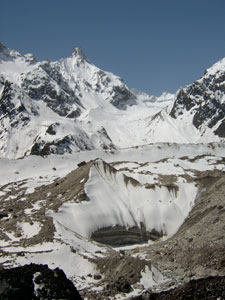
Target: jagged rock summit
79 53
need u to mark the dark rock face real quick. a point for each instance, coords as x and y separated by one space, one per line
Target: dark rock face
43 88
16 115
121 285
122 98
59 146
204 100
220 131
6 105
36 282
8 108
52 129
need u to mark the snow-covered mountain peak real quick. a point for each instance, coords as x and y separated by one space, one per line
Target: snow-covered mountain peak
218 67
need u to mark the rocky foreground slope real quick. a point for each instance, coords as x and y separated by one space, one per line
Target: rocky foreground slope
205 288
40 221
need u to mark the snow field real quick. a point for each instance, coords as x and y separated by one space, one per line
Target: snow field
43 170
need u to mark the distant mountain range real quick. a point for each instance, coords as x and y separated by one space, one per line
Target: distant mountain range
71 105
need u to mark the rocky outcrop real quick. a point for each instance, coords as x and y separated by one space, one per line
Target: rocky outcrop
36 282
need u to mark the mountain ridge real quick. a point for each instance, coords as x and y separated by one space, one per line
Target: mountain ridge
71 105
